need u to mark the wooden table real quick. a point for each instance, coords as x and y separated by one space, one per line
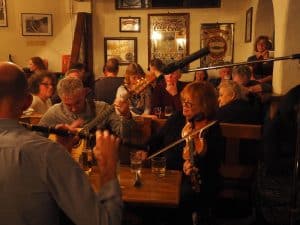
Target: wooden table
33 118
154 191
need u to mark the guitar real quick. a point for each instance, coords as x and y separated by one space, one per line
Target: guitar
98 121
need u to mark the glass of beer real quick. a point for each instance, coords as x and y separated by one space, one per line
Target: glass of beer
158 166
135 162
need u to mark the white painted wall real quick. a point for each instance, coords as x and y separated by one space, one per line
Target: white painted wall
287 36
106 24
50 47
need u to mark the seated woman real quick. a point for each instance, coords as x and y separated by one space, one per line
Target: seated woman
37 64
262 72
233 105
199 102
42 87
139 103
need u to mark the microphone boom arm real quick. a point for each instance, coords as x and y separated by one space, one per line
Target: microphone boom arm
294 56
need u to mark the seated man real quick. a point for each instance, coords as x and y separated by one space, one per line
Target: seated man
38 177
168 93
106 87
75 106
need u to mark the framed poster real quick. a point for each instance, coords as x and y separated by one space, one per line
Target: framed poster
130 24
218 37
168 36
121 48
36 24
3 13
248 26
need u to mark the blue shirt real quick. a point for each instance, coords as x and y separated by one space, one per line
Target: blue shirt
38 176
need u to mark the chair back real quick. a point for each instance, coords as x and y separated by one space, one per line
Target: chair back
237 175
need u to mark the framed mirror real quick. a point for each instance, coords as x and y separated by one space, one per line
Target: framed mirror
122 48
168 36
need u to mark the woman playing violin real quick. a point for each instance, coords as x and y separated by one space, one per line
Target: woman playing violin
202 154
199 101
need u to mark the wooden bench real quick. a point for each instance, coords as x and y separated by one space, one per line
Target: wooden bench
238 177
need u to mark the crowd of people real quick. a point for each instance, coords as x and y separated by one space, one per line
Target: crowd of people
45 178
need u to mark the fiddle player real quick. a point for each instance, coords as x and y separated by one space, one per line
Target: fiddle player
75 106
38 177
199 102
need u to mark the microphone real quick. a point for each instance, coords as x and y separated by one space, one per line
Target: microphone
186 60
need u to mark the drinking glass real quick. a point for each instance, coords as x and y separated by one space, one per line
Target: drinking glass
157 111
168 111
135 162
86 160
158 166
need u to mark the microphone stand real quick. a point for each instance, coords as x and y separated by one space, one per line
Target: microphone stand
294 191
294 56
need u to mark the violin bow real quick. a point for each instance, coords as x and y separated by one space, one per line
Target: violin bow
200 131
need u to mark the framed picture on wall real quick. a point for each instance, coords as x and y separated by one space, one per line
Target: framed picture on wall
36 24
3 14
130 24
218 37
168 36
122 48
248 29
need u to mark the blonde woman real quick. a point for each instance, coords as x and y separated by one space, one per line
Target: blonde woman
139 103
234 106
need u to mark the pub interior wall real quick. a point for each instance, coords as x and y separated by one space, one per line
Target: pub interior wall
106 24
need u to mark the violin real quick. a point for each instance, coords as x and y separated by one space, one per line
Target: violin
195 144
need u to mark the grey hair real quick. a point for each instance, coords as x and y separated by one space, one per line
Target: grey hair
235 88
69 86
242 71
72 71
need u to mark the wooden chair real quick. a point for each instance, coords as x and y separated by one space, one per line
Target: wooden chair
238 177
138 137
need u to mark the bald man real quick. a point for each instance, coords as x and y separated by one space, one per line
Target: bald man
38 177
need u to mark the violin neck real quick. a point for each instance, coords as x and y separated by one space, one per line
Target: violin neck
195 176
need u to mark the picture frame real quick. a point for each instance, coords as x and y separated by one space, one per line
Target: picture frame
129 4
3 14
158 4
130 24
122 48
219 38
248 27
36 24
168 36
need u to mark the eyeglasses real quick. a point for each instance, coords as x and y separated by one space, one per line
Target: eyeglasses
186 103
47 85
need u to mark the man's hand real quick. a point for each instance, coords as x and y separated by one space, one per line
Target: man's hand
122 106
106 154
69 141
